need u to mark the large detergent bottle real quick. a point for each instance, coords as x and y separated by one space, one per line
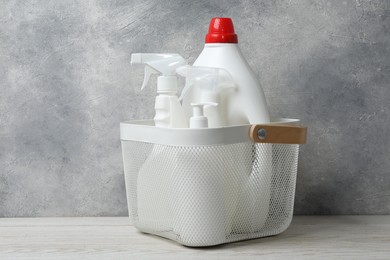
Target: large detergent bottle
246 105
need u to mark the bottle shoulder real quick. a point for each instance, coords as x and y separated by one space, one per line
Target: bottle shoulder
227 56
249 90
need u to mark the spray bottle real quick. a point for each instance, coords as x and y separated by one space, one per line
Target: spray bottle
154 209
213 84
169 112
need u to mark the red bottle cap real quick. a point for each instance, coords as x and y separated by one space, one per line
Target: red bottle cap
221 30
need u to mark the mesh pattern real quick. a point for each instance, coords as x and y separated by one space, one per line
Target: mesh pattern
209 195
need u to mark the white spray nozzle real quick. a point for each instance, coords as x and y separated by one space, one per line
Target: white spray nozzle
156 63
209 79
198 120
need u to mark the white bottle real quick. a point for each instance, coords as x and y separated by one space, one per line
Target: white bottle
247 105
199 206
213 85
198 119
154 188
169 112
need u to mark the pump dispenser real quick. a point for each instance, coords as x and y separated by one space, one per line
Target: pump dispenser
213 84
198 120
169 112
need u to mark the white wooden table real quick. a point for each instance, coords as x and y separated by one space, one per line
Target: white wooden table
309 237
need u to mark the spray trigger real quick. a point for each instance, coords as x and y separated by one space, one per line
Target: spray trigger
210 80
148 72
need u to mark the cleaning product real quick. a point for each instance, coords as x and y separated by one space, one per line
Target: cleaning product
199 195
169 112
247 105
153 186
213 84
198 119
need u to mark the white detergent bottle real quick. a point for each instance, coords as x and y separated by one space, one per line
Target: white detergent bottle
153 182
221 50
247 105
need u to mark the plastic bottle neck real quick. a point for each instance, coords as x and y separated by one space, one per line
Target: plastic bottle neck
232 45
226 47
167 85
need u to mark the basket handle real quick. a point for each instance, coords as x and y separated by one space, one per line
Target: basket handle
278 134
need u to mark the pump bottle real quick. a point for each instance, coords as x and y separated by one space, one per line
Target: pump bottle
213 84
199 206
198 119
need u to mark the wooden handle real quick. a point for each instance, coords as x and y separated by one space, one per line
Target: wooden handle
278 134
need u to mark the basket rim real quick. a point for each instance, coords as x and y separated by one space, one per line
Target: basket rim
145 131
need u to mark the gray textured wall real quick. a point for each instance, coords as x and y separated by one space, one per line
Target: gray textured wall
66 83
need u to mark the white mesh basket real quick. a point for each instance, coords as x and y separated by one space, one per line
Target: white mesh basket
203 187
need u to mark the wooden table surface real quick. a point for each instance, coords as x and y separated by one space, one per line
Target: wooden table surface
308 237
